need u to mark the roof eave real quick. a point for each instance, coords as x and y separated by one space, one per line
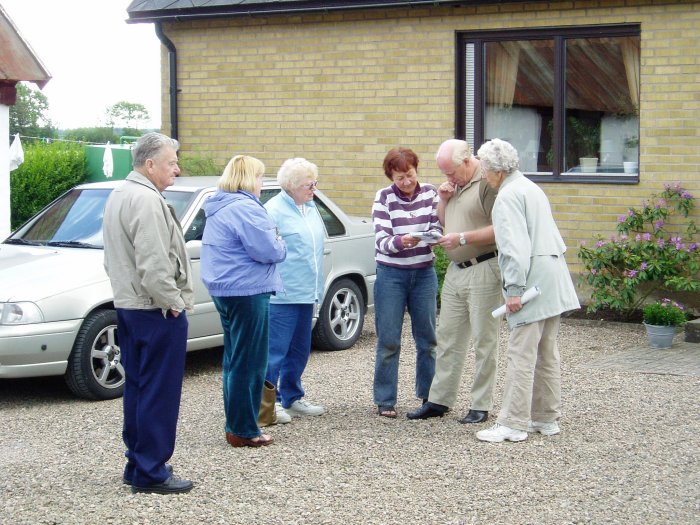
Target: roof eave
290 8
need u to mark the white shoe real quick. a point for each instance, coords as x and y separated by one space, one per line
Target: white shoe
301 407
547 429
281 413
498 433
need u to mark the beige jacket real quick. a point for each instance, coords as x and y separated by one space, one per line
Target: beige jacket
144 254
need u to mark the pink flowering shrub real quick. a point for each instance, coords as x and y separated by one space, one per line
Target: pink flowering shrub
643 252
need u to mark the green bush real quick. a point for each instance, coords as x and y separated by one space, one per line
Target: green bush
665 313
195 165
441 264
48 170
645 257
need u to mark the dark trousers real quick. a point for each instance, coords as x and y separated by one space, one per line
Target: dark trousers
153 352
245 321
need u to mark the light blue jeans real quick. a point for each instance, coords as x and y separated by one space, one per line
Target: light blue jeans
395 291
290 346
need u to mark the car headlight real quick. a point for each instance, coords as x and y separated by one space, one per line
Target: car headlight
20 313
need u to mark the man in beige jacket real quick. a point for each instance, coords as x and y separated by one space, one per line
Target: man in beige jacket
148 267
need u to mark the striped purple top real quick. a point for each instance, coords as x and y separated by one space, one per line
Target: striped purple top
394 215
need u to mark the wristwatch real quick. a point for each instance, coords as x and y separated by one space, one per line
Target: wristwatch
462 239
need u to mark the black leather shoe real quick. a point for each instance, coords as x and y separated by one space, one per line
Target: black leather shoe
428 410
475 416
172 485
168 467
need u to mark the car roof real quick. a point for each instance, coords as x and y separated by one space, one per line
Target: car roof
181 183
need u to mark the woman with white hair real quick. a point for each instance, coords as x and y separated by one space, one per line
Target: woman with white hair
530 253
291 310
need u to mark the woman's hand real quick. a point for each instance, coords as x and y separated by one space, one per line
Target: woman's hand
513 304
409 241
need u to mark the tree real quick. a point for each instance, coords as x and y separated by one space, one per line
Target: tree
28 116
127 114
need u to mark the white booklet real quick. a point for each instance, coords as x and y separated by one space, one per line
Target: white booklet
529 294
431 237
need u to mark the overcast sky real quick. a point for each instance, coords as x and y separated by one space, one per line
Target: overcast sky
94 57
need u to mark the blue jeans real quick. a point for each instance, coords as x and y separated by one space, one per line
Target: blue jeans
395 291
290 346
245 322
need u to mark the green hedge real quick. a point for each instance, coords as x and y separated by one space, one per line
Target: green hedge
48 171
441 264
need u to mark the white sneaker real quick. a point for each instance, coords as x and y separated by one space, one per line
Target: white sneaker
547 429
498 433
281 413
301 407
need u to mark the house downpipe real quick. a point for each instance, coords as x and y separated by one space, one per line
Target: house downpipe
172 66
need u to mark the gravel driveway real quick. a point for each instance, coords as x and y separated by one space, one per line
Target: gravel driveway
628 452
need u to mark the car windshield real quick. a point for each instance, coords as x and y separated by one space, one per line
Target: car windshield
75 219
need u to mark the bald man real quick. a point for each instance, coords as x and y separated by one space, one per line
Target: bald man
471 289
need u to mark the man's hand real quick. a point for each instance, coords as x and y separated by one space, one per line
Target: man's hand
174 313
449 241
446 190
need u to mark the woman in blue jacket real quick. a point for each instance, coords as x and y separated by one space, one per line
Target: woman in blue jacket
240 251
291 311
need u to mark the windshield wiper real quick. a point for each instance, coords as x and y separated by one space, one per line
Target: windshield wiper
73 244
19 240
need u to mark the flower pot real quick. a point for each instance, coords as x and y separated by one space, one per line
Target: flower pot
630 167
660 336
589 164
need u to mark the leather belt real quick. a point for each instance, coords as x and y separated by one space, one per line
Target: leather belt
476 260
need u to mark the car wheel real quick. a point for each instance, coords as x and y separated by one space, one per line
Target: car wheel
94 365
341 318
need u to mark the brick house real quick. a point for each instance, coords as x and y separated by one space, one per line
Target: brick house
341 82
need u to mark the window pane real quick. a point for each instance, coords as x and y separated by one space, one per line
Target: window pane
602 105
520 99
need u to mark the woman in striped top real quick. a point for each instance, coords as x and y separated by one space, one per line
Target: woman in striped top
406 278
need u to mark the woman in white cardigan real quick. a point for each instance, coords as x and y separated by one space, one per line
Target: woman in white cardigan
530 253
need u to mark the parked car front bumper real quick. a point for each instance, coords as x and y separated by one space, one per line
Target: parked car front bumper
32 350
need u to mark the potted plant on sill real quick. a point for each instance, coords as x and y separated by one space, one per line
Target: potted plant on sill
630 155
586 137
661 320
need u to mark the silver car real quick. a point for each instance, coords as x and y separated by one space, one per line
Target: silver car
56 310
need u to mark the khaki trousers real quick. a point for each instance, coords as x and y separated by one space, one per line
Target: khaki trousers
533 379
468 297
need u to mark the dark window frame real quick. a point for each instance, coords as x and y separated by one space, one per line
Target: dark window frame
559 35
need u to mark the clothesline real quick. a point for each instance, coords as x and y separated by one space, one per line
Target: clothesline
17 152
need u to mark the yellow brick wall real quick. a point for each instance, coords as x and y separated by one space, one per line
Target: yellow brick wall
341 89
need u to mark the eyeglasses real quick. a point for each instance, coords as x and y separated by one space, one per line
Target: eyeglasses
310 185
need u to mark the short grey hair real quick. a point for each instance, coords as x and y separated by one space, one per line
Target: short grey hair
460 151
498 155
294 171
149 145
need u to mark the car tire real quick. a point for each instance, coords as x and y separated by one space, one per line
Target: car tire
94 365
341 318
